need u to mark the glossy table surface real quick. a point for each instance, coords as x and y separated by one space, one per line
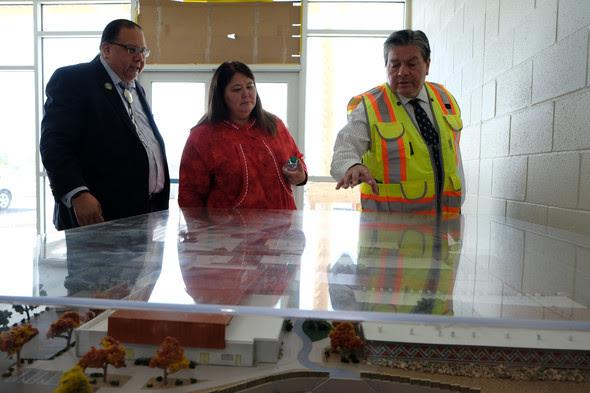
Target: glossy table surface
460 270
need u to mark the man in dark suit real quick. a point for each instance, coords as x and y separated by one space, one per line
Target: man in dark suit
100 146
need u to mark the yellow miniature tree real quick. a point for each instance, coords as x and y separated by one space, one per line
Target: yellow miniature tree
13 340
74 381
170 359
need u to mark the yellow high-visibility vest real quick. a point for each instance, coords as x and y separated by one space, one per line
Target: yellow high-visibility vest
400 160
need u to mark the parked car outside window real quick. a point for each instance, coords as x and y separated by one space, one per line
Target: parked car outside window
5 196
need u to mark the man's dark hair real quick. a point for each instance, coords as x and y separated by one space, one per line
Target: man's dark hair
407 37
112 30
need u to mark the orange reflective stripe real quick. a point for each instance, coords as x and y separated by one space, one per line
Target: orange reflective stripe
400 142
439 98
373 101
451 210
425 212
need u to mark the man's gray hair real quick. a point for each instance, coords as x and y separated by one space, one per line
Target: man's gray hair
407 37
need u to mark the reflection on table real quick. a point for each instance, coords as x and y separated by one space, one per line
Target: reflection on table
318 264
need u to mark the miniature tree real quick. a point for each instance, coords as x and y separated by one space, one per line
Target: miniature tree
26 309
4 319
12 341
343 337
64 326
91 314
112 353
74 381
170 359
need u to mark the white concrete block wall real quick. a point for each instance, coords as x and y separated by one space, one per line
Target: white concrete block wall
514 88
553 179
561 69
520 71
509 187
531 130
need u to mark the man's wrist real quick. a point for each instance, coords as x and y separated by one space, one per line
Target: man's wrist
76 195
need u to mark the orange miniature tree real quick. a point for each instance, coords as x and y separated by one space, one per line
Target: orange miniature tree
343 337
112 353
12 341
170 359
72 381
64 326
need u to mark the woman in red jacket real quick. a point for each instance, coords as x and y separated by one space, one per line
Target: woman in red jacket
235 156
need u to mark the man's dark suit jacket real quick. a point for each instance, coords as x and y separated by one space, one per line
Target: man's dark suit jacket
88 139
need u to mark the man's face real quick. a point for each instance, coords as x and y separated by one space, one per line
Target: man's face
127 66
406 70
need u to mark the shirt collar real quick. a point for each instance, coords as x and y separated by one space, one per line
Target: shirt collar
112 73
422 96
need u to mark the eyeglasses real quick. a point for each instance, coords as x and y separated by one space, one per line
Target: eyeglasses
145 53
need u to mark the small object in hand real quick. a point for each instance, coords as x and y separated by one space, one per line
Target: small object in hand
292 164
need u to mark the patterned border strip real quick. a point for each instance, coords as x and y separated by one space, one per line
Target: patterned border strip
486 355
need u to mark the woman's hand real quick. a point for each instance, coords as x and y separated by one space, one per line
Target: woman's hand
296 176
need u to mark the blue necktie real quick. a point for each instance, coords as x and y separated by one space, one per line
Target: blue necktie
430 136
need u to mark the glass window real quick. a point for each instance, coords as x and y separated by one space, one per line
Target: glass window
17 32
344 58
82 17
355 16
177 107
59 52
333 78
17 154
274 98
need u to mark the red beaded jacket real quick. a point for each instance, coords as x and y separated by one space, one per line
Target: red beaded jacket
225 165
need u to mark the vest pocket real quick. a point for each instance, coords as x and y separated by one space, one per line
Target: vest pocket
455 182
390 131
414 190
454 121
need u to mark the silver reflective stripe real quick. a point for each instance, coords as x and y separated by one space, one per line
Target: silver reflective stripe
382 105
443 95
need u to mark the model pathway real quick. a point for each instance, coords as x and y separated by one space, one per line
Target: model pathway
303 356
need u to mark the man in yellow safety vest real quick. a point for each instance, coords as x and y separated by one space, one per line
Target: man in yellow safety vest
402 144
